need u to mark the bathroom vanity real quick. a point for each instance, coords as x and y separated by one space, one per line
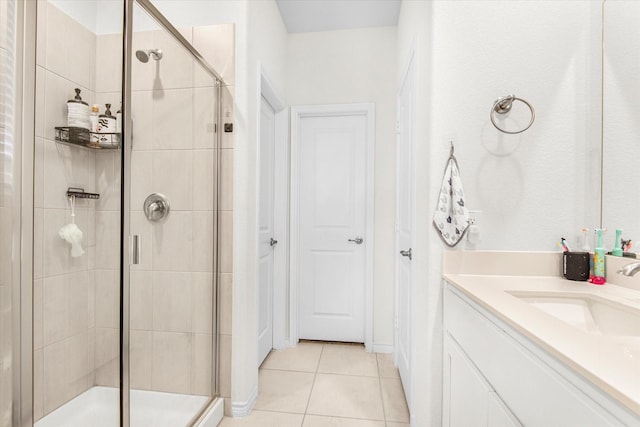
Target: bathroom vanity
536 350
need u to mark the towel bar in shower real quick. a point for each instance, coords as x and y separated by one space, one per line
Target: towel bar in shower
503 106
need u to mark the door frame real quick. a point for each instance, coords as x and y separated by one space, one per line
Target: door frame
268 91
297 114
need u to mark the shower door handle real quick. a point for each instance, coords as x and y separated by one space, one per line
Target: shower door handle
135 249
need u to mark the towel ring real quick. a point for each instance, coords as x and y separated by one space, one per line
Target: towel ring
503 106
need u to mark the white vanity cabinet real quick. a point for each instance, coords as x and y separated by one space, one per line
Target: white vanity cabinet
495 377
469 399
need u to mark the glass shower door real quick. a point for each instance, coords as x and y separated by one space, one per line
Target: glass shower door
172 332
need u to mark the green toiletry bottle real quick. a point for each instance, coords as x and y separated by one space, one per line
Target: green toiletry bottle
617 250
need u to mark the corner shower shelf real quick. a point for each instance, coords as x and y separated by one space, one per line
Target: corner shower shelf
83 138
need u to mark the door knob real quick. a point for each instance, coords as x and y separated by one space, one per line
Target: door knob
406 253
273 242
357 240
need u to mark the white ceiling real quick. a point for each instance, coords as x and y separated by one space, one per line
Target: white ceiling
302 16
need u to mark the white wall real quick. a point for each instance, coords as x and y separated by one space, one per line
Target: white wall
621 106
260 39
351 66
464 63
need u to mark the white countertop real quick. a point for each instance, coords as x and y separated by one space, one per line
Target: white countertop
612 363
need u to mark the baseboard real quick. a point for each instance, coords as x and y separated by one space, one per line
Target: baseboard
382 348
242 409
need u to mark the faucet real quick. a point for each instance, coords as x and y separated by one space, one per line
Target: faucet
630 269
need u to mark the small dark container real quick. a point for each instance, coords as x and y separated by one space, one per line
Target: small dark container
575 265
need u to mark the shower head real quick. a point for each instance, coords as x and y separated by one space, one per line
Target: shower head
143 55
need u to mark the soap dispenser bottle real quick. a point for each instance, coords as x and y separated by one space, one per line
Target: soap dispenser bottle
106 122
78 112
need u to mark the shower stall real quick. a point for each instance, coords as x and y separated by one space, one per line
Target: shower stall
118 306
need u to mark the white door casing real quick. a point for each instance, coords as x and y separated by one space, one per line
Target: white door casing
405 224
266 236
332 208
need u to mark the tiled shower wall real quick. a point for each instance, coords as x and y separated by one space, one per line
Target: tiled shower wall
64 287
7 68
76 300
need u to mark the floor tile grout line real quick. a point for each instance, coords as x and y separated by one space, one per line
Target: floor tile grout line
384 411
315 375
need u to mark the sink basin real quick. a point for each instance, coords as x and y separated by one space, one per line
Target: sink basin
586 312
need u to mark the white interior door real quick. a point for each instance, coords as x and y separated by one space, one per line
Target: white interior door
267 240
405 226
332 222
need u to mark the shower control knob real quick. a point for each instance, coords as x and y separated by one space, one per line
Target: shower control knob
156 207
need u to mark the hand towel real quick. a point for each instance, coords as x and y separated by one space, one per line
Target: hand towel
451 217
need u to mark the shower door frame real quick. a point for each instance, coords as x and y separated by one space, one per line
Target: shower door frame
125 230
22 211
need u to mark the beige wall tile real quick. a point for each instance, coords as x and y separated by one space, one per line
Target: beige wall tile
38 243
227 100
175 70
172 356
107 240
172 298
172 119
202 257
38 384
41 75
202 303
225 367
204 117
56 390
107 348
78 285
173 177
107 299
226 180
142 117
141 226
55 250
204 169
225 233
217 44
141 293
141 178
142 75
173 242
38 300
225 303
107 180
141 359
109 69
202 364
55 309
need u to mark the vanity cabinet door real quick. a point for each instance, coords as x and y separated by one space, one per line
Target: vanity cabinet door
466 393
498 415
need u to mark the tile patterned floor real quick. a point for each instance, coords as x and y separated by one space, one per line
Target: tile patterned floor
327 385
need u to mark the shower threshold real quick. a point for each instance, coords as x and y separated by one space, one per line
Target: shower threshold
99 407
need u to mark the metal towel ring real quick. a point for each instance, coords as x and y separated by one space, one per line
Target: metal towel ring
503 106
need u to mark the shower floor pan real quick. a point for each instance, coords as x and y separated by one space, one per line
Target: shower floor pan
98 407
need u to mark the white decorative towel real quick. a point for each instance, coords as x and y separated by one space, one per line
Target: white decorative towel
451 218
